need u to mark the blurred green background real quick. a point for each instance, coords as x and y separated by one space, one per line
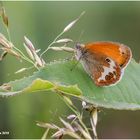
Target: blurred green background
41 22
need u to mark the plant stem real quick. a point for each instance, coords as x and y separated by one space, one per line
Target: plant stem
21 53
51 44
75 110
8 33
93 123
45 134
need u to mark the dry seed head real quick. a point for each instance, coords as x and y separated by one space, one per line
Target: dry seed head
38 60
5 20
38 50
93 120
12 52
84 104
83 132
72 116
68 49
4 16
65 40
71 24
29 44
68 100
43 62
3 55
29 52
67 125
95 116
21 70
47 125
58 134
4 42
56 48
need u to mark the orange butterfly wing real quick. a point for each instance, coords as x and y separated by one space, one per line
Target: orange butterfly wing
104 61
120 53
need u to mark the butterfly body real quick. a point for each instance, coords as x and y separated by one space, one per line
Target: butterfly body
104 61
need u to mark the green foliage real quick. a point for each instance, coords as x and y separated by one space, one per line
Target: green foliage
57 76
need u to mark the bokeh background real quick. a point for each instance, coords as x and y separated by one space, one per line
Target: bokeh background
42 22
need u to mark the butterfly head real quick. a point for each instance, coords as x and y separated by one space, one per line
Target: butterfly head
80 50
79 46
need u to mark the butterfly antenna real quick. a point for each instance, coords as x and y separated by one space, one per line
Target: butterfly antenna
80 36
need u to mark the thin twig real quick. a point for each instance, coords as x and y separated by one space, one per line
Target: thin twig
75 110
51 44
45 133
93 121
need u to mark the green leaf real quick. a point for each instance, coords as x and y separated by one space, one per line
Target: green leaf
57 76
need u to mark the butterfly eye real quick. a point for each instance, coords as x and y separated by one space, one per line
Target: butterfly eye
78 46
107 60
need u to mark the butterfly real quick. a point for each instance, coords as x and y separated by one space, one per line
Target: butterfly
104 61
